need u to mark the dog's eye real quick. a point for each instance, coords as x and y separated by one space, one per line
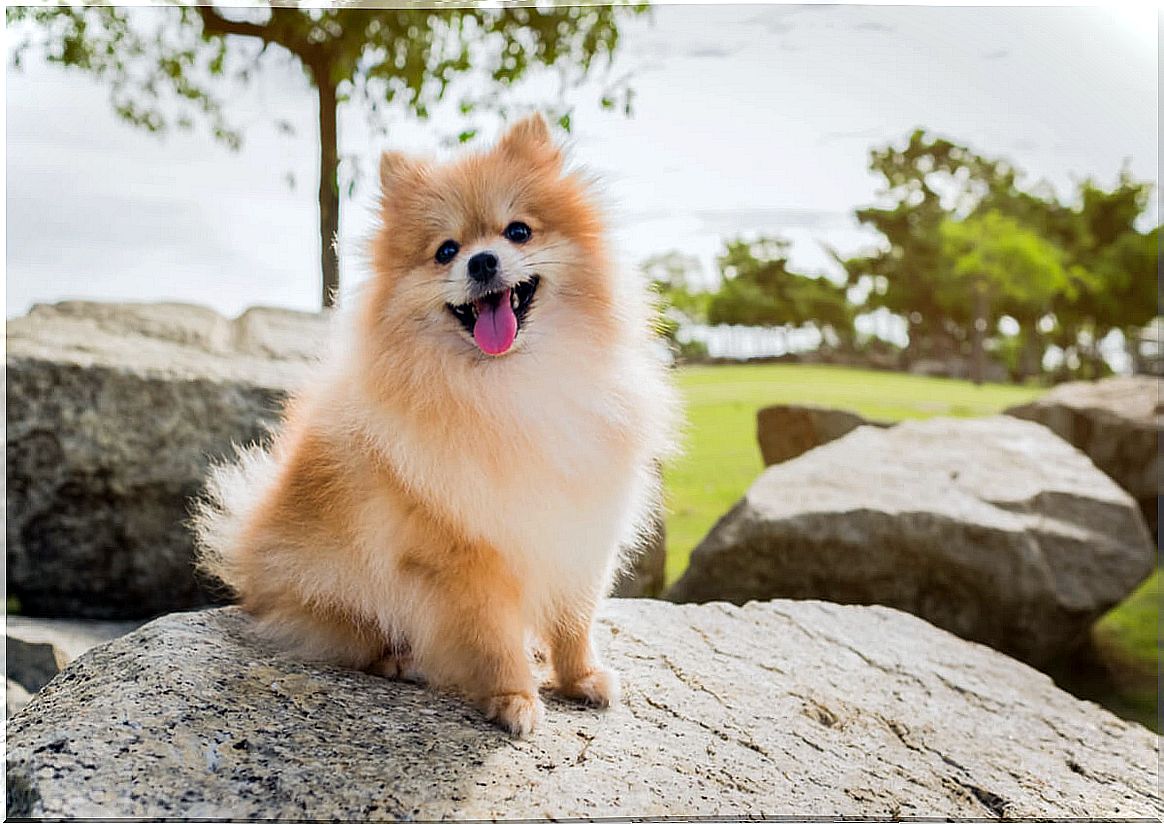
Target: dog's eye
517 232
447 251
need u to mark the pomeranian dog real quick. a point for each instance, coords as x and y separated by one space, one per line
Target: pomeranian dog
470 469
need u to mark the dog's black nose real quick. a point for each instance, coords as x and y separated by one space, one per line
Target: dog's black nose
483 266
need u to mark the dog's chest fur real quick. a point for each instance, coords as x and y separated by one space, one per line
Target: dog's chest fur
557 474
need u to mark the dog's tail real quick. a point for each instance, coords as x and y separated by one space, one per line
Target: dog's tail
219 514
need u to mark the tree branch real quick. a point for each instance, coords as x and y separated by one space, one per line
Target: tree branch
269 32
215 23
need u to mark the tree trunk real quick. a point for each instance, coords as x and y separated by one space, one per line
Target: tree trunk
978 364
1031 356
328 185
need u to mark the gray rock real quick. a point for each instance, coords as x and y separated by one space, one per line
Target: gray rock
992 528
1118 423
32 665
788 430
776 709
114 411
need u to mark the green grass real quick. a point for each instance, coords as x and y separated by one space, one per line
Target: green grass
1136 624
1128 643
721 457
1118 669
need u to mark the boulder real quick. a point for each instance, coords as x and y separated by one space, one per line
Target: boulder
992 528
1118 423
787 430
31 665
784 708
114 411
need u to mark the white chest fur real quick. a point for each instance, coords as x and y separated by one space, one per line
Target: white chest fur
575 482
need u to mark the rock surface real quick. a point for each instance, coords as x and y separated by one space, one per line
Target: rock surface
786 708
992 528
788 430
1118 423
114 411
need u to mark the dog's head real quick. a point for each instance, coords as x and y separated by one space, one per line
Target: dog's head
488 256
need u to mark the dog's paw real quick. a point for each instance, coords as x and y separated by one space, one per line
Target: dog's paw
515 712
597 688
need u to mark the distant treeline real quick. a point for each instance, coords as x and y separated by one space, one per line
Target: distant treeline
976 265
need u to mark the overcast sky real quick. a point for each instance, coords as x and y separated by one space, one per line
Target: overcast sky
747 119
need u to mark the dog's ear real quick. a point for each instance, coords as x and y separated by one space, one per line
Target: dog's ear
529 140
398 171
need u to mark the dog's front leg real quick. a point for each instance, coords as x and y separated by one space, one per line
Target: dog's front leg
468 634
580 675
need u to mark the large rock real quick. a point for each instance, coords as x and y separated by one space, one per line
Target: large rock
783 708
113 412
31 665
1118 423
788 430
992 528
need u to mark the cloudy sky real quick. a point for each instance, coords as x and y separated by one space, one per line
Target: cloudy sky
748 119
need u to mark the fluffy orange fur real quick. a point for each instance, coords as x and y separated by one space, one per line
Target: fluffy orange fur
426 508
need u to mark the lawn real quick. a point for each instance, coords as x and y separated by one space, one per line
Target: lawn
721 459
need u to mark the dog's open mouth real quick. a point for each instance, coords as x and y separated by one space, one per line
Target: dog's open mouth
494 320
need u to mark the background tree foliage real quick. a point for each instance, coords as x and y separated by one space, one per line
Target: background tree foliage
755 288
965 245
924 183
173 66
682 300
931 183
1003 268
759 290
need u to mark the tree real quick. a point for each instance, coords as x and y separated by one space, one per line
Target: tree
993 262
1124 289
168 66
930 182
759 290
924 182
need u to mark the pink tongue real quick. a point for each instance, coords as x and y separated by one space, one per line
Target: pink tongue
496 325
